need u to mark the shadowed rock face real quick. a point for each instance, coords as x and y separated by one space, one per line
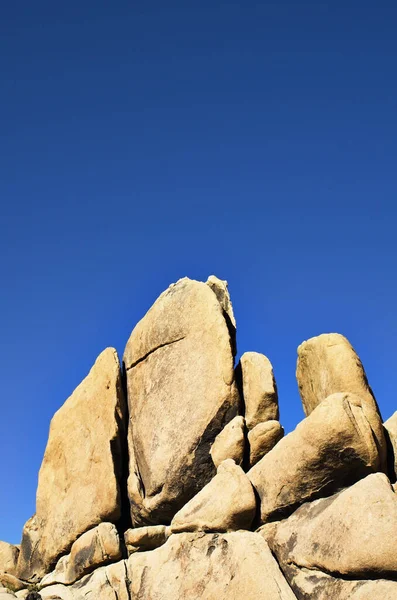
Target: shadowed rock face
79 478
181 392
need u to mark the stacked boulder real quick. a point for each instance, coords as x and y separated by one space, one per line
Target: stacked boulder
171 477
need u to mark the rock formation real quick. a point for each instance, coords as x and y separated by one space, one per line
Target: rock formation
187 487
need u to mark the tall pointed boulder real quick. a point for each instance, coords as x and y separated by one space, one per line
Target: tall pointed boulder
181 392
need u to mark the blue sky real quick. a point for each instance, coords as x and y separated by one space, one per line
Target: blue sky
146 141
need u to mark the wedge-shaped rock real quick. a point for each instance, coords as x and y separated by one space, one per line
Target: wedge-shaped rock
230 442
391 435
95 548
146 538
105 583
259 388
181 393
262 438
227 503
79 478
329 450
328 364
8 557
210 567
352 534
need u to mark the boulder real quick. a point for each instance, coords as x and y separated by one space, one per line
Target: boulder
352 534
313 584
78 484
106 583
8 557
230 443
390 427
259 388
11 582
181 393
328 364
210 567
329 450
146 538
93 549
227 503
262 438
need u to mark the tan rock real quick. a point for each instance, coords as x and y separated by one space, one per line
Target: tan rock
146 538
79 478
11 582
93 549
227 503
181 389
262 438
210 567
106 583
230 443
8 557
328 364
352 534
259 389
391 435
314 584
329 450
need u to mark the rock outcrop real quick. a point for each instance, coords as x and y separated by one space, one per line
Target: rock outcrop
187 489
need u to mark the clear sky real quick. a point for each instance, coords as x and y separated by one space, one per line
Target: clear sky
145 141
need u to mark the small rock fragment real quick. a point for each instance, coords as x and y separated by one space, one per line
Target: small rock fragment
259 388
230 443
262 438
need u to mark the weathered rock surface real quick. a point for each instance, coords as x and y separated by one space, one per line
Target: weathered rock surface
227 503
79 478
11 582
352 534
230 442
181 393
391 435
328 364
210 567
310 584
8 557
146 538
259 389
93 549
262 438
105 583
329 450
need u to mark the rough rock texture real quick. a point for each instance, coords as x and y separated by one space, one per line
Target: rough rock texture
391 436
230 442
328 364
8 558
79 477
11 582
259 388
262 438
146 538
227 503
181 393
94 548
210 567
351 534
105 583
329 450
